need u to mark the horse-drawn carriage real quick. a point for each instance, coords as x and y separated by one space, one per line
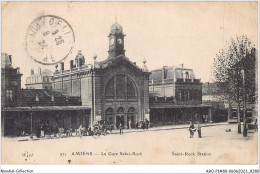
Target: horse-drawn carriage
101 128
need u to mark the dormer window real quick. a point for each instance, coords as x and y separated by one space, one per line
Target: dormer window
37 98
187 75
52 98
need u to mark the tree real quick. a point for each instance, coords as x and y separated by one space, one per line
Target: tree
238 54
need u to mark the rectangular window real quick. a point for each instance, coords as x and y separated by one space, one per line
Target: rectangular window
179 95
188 95
9 94
196 94
164 73
185 95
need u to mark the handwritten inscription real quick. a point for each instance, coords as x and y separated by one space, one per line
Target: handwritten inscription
27 154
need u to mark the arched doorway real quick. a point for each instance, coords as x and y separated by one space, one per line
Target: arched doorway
120 116
131 116
109 116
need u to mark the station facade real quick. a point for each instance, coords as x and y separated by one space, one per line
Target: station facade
116 89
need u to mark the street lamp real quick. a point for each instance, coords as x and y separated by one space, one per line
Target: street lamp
244 104
36 100
93 117
31 135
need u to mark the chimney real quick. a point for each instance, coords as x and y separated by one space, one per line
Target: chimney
10 59
62 66
95 58
32 72
164 73
40 71
71 64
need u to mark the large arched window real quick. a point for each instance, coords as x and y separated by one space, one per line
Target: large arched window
120 87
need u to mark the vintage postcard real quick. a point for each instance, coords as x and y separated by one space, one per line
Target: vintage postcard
129 83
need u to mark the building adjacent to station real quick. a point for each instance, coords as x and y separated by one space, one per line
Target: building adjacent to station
10 85
176 97
26 111
40 80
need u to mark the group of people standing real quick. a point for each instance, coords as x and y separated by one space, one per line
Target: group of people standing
144 124
192 129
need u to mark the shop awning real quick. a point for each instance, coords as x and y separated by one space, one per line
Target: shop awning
46 108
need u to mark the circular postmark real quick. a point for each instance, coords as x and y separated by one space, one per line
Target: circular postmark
49 39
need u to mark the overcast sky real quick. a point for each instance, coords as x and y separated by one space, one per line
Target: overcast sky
165 33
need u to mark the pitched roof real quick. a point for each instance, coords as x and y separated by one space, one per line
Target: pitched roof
45 96
170 73
114 60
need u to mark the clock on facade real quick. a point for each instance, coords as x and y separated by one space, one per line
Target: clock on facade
119 41
112 41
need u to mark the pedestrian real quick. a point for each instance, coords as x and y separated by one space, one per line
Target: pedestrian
68 132
143 125
199 130
147 123
38 132
90 132
60 132
111 128
47 130
136 125
121 129
42 131
191 129
129 124
255 126
80 131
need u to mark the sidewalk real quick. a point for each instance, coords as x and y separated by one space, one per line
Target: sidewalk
171 127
